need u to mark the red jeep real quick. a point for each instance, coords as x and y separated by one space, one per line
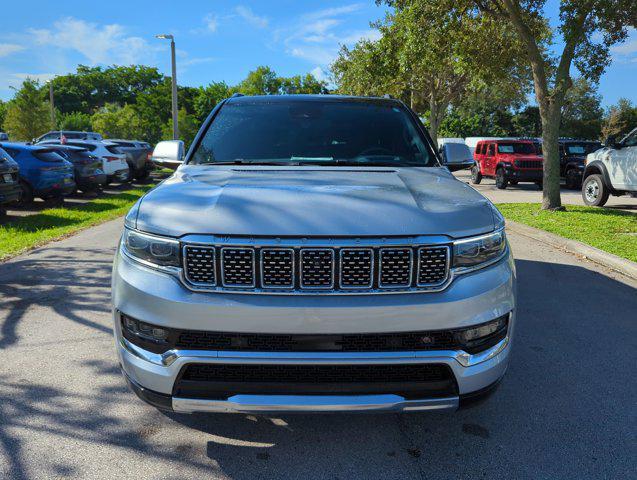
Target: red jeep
508 161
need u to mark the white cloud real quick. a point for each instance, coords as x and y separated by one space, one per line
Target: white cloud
252 18
7 49
212 22
100 44
320 74
40 77
317 36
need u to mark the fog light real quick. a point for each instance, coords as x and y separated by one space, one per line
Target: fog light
482 337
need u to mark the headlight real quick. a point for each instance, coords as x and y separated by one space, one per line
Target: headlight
473 252
149 248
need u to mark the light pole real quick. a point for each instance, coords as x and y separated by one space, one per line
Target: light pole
174 76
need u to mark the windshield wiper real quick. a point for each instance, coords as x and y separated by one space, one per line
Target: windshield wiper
241 161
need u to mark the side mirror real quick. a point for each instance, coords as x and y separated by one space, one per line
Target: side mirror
169 153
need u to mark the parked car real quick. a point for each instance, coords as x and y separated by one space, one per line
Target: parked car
9 181
573 160
68 135
137 156
611 170
113 162
87 168
4 137
43 173
456 156
312 254
508 161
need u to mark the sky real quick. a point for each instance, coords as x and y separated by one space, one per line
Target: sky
216 39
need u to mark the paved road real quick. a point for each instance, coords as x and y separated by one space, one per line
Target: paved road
565 410
529 193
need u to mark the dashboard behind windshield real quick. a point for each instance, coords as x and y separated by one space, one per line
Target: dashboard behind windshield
314 132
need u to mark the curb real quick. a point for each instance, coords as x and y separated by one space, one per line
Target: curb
621 265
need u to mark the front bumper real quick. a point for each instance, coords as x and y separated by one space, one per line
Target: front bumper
524 175
160 299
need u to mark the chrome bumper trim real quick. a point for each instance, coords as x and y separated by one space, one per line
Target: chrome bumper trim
168 358
312 403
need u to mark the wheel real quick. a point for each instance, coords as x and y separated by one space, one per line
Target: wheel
3 212
573 181
476 176
26 196
594 192
500 179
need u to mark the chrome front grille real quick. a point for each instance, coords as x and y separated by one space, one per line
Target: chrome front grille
355 269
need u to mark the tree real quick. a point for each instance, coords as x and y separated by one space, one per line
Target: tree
114 121
74 121
3 114
620 119
588 29
27 114
262 81
307 84
582 111
527 122
431 54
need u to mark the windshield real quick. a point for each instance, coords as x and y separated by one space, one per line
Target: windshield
314 132
582 148
525 148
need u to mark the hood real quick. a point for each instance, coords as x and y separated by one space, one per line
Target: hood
314 201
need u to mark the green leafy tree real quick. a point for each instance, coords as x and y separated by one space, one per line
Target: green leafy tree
262 81
114 121
3 114
27 114
306 84
588 28
74 121
527 122
582 112
620 119
431 54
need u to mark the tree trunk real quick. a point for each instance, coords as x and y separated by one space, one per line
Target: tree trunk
434 120
551 116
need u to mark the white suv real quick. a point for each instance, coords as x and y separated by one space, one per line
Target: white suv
611 170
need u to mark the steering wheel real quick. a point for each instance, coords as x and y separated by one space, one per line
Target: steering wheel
376 151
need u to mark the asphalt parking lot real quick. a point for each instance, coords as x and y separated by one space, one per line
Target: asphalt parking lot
566 408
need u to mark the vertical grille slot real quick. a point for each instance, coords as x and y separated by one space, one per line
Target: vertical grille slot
237 267
199 265
432 265
317 268
356 268
277 268
395 267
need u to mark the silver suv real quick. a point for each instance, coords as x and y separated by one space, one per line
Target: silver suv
312 254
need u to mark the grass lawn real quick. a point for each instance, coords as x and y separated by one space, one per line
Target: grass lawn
613 231
24 233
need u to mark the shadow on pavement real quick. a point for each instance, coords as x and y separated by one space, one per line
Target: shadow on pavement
565 409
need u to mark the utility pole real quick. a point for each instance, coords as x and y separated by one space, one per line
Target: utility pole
174 82
52 105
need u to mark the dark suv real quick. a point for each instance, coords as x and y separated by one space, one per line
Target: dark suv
508 161
573 160
9 183
137 156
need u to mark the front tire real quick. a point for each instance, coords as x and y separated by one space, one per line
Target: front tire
500 179
572 180
476 176
26 197
594 192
